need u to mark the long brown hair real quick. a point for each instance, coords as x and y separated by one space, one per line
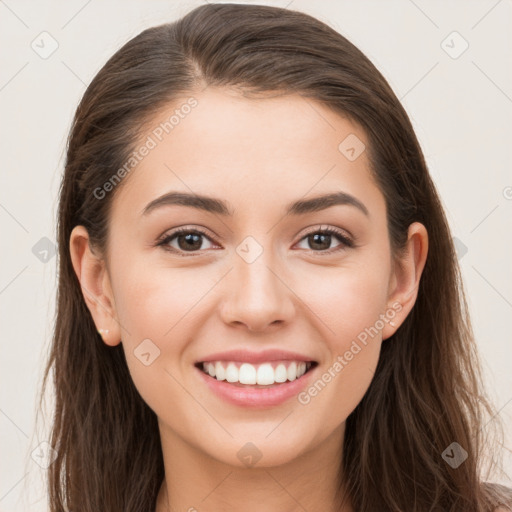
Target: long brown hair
427 389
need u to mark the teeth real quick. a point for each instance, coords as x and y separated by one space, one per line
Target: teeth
232 373
280 373
220 373
247 374
264 374
292 371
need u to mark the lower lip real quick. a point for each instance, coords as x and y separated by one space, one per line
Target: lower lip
256 397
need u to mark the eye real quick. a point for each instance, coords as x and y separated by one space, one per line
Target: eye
188 240
321 239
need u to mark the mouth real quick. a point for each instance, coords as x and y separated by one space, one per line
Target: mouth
257 376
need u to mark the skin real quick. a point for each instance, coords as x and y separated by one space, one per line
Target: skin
258 155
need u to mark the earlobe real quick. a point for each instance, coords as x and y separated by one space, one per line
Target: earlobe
406 275
92 274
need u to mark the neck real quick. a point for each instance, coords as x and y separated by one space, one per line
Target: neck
194 481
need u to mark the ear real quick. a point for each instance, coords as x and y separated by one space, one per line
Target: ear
95 284
405 277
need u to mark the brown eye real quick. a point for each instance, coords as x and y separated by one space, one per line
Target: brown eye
320 240
188 240
191 241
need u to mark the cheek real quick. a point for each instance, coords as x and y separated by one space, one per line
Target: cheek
155 309
349 301
351 304
153 301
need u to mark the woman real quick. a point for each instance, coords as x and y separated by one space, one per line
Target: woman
259 302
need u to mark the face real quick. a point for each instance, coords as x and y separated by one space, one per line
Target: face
251 276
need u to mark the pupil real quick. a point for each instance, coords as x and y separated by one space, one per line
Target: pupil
315 238
191 238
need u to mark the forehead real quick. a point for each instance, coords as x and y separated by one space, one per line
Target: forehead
248 150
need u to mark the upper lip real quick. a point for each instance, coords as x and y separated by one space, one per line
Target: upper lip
247 356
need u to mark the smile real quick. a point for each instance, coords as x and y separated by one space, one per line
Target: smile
265 374
263 385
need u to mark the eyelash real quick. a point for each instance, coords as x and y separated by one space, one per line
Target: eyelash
346 242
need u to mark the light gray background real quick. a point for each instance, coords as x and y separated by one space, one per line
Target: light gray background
461 109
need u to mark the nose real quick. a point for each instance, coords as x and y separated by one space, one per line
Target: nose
256 295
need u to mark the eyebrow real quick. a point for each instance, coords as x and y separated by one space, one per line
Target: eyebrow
218 206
